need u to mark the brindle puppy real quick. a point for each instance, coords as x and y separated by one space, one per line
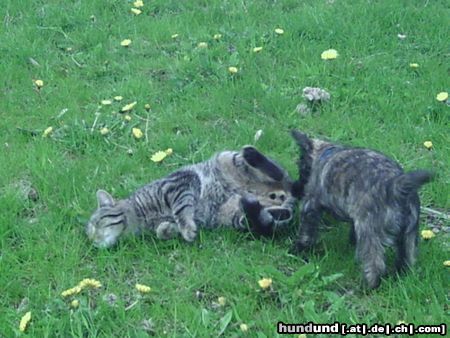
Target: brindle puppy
363 187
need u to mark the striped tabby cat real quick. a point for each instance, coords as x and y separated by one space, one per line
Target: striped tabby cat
225 190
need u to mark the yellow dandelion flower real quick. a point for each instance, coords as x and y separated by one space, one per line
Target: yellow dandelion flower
442 96
217 36
24 321
72 291
401 322
279 31
158 156
243 327
82 284
233 70
128 107
143 288
47 132
75 303
106 102
446 263
427 234
168 151
414 65
265 283
329 54
127 117
137 133
95 284
302 335
257 49
202 45
125 43
118 98
147 106
222 301
174 36
104 131
69 49
428 144
138 3
136 11
89 283
39 83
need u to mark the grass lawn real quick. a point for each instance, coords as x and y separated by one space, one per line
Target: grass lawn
198 107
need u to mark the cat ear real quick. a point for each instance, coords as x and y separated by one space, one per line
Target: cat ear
104 199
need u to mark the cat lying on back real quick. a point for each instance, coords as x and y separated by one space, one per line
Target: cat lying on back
225 190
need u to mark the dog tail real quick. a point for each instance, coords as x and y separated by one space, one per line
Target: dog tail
408 183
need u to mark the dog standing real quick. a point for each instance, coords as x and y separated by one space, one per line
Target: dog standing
363 187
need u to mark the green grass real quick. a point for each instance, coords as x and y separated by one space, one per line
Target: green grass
198 108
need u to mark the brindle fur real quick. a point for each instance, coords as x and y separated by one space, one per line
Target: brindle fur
363 187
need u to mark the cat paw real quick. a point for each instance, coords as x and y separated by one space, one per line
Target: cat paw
259 219
189 233
166 230
251 206
300 248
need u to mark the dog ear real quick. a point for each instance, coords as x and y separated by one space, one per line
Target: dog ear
303 141
304 164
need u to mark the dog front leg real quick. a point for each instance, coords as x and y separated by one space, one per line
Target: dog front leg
309 226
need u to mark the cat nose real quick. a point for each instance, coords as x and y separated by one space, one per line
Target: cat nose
101 244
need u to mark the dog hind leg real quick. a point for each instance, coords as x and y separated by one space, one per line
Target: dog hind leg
407 242
370 251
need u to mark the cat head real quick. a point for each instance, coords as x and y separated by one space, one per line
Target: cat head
255 173
250 166
108 222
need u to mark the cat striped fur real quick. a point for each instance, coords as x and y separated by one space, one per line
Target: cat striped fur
226 190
